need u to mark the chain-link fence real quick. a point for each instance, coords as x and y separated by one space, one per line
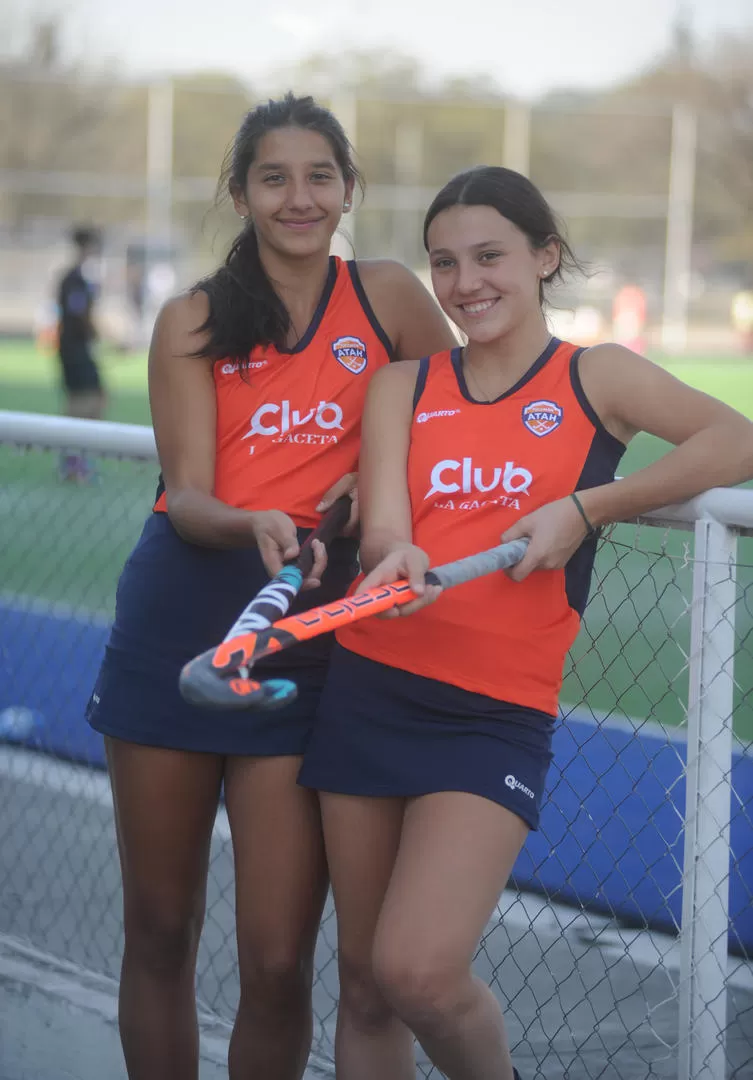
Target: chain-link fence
622 948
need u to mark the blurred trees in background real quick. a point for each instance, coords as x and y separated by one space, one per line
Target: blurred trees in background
70 133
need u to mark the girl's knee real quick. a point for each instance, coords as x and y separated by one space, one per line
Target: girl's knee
160 938
275 978
428 992
361 998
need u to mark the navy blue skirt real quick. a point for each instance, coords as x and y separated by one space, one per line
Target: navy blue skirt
176 600
385 732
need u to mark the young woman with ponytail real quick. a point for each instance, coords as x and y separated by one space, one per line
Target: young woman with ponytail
257 378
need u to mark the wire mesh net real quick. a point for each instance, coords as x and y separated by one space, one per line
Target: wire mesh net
583 949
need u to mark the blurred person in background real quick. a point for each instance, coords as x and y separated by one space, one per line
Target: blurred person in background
77 294
742 318
629 311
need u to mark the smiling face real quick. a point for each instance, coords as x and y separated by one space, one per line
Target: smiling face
295 192
485 273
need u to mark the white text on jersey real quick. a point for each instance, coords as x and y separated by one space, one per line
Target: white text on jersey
513 479
326 415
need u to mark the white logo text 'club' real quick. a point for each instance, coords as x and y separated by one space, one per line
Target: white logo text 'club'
513 479
326 415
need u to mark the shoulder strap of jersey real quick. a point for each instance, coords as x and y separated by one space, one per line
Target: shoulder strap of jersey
423 374
585 404
363 300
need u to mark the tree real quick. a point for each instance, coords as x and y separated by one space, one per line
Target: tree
55 119
727 146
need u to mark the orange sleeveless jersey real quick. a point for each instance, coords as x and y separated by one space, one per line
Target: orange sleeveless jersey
474 468
291 428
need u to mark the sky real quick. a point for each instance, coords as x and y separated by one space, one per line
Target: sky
528 47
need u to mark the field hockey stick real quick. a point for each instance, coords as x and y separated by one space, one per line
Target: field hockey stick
274 599
222 677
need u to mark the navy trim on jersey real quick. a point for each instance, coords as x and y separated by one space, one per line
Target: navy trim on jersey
578 571
423 374
457 363
368 310
601 461
600 467
321 307
588 408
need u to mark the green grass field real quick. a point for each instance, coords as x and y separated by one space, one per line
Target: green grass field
66 544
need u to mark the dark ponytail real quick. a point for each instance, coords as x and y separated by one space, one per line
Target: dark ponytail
244 309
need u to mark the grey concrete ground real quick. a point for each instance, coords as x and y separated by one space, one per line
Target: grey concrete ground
584 999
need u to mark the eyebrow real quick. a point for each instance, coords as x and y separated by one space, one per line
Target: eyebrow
280 167
474 247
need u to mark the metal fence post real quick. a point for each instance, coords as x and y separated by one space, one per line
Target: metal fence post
345 107
679 243
516 145
703 939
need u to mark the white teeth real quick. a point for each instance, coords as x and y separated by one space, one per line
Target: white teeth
473 309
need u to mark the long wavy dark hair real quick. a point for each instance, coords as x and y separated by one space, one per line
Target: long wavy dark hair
513 196
244 309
